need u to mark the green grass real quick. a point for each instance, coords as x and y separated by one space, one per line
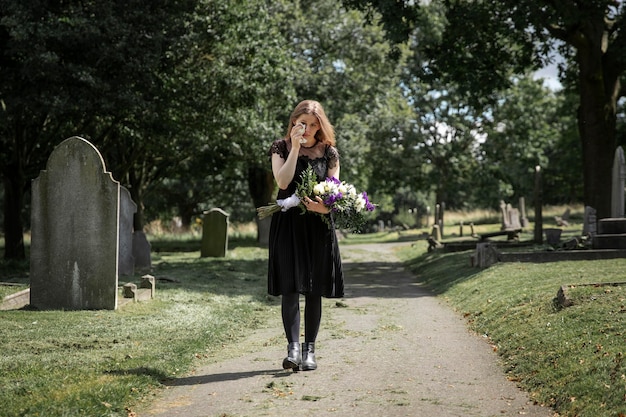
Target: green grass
570 358
108 363
104 363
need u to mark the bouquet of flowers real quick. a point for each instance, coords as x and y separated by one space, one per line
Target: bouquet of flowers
348 207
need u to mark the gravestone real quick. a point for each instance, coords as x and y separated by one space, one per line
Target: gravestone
553 235
514 218
590 223
436 233
522 208
141 251
617 187
128 208
510 217
504 223
214 233
538 193
75 231
485 255
264 231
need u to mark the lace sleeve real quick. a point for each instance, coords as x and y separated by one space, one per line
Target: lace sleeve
280 147
332 156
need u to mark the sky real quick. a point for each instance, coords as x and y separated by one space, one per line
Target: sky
550 76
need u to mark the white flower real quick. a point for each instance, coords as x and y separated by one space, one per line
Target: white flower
360 203
319 188
330 187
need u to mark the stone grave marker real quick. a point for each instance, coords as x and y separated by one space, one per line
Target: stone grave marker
590 224
75 231
128 208
514 218
264 231
214 233
141 251
617 187
522 208
510 217
505 218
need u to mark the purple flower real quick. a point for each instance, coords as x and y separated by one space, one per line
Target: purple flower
332 198
368 205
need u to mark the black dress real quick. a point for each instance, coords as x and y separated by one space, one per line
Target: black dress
303 251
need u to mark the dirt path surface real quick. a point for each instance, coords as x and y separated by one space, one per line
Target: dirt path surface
390 348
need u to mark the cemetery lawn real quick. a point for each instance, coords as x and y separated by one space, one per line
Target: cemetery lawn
109 363
103 363
569 358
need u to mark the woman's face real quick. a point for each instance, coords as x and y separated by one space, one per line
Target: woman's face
311 123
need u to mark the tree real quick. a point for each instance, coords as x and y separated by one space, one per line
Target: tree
484 42
239 74
72 67
525 129
344 63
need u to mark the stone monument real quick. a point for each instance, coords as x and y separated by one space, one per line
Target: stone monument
75 231
214 233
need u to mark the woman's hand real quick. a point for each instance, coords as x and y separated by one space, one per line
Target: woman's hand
296 135
316 206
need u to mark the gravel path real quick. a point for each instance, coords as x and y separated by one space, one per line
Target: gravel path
390 348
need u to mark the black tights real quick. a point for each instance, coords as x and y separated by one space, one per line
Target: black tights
291 316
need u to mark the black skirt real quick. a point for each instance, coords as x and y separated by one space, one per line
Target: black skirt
304 255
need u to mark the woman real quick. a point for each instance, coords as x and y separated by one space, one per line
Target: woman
303 252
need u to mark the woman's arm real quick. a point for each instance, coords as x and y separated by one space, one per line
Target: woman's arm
334 171
284 170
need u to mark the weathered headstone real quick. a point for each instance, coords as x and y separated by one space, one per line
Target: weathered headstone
505 216
522 208
141 251
264 231
75 231
127 210
510 217
617 188
553 235
590 223
440 221
214 233
538 193
485 255
514 220
436 233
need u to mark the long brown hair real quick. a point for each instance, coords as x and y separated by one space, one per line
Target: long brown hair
326 133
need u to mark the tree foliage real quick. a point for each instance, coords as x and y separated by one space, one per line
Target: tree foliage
484 43
73 67
527 128
184 99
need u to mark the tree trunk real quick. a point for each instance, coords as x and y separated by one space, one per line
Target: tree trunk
261 184
186 212
598 146
13 204
598 84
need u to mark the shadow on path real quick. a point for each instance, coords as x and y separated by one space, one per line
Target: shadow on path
226 376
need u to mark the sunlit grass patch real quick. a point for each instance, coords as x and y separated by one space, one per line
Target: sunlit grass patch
569 358
101 363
